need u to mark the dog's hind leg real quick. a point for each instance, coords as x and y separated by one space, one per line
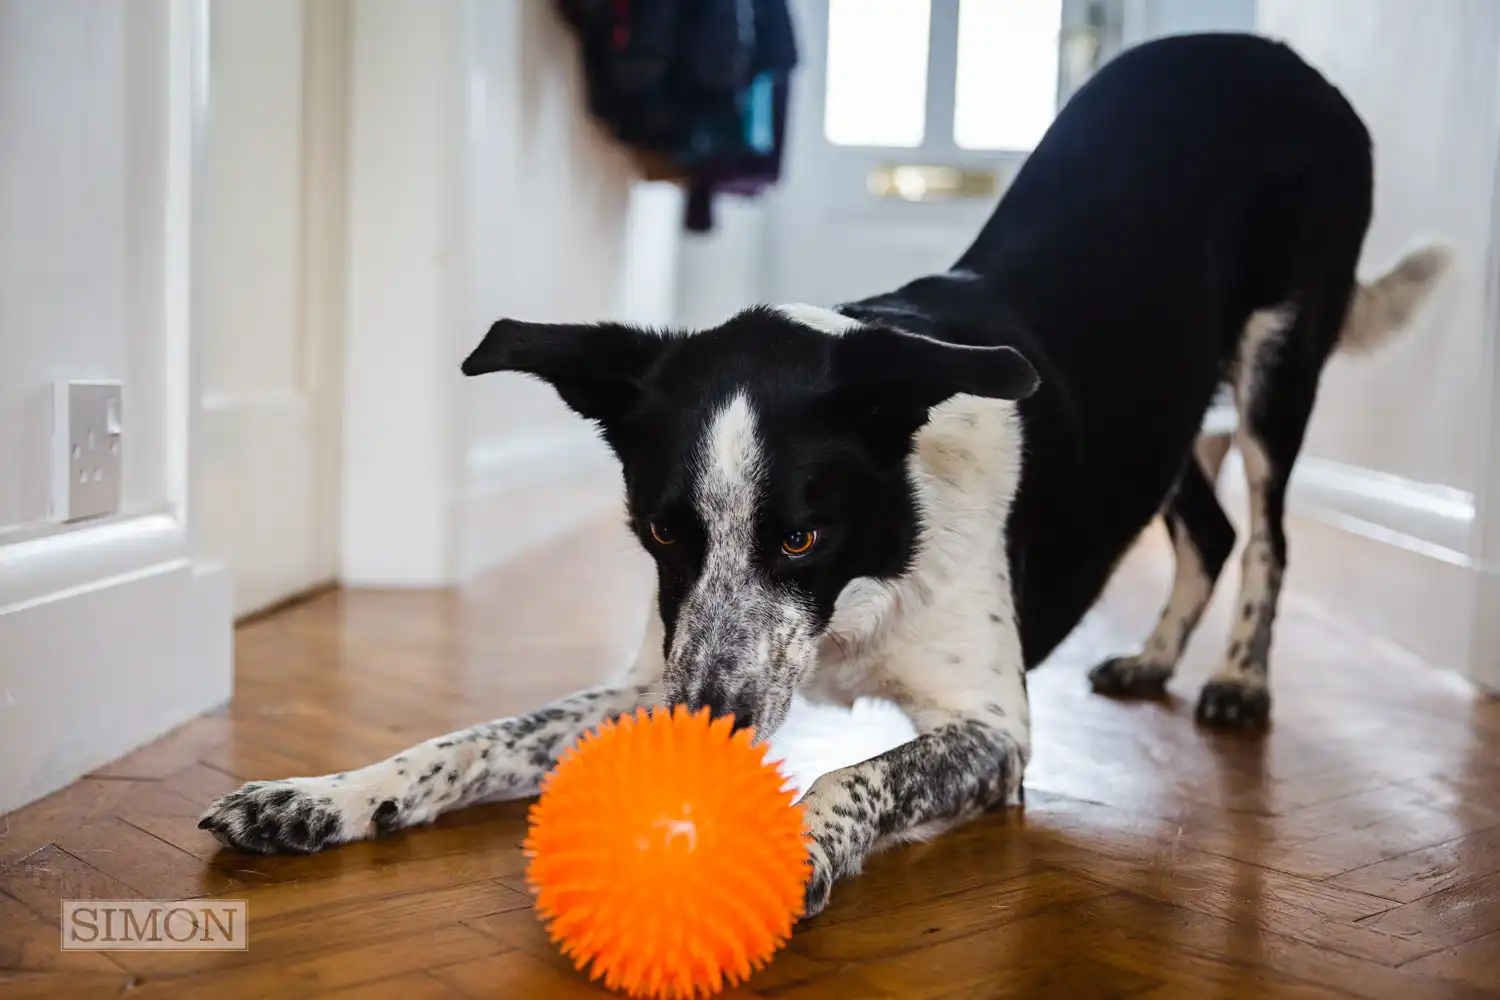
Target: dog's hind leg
1275 393
1280 363
1202 539
502 759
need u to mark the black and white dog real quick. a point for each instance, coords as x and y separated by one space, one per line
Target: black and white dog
917 496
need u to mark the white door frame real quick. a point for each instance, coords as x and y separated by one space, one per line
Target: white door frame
325 199
1483 665
274 251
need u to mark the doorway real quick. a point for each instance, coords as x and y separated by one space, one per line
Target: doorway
272 253
911 117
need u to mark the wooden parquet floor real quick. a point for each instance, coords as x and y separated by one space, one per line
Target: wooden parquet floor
1352 852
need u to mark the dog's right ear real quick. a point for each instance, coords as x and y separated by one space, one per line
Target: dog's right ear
596 368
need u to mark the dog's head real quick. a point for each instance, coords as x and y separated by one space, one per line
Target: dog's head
765 468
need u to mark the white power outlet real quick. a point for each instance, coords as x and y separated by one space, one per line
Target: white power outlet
87 449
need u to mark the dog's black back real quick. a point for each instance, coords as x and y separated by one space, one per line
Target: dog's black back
1193 181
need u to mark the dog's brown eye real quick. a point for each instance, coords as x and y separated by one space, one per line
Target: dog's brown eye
662 535
798 543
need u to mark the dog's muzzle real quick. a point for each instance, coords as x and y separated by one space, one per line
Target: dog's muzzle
740 649
721 699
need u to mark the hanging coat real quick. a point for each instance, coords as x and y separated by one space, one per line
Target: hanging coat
697 89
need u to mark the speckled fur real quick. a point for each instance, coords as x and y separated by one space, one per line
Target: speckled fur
503 759
941 641
740 640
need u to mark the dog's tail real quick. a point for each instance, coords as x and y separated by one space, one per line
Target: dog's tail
1382 308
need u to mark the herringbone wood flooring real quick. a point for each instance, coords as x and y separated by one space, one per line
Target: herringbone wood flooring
1352 852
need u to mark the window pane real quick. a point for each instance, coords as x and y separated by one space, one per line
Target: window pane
1005 94
877 72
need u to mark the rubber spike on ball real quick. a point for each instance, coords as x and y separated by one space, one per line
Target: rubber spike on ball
668 859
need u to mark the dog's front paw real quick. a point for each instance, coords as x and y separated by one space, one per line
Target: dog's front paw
1130 677
820 881
1232 703
299 815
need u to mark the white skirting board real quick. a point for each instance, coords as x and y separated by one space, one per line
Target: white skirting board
522 494
109 637
1386 553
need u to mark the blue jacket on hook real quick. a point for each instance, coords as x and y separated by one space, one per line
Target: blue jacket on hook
698 87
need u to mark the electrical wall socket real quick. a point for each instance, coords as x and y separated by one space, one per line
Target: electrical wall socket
87 449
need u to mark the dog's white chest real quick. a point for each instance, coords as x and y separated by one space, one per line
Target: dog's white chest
818 738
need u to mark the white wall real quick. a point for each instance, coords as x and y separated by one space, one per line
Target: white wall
723 271
550 197
81 198
1386 487
560 229
479 189
1424 79
109 632
401 442
1144 19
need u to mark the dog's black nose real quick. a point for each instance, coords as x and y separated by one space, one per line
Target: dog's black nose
721 702
743 719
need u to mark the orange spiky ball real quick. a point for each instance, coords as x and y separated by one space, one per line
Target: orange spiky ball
667 854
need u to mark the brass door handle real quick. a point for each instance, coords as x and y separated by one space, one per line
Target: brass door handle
919 182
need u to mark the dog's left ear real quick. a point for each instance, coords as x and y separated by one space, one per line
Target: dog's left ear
888 380
596 368
925 372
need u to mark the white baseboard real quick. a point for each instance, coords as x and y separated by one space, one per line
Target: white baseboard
534 459
1436 520
109 637
1386 553
524 493
54 559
